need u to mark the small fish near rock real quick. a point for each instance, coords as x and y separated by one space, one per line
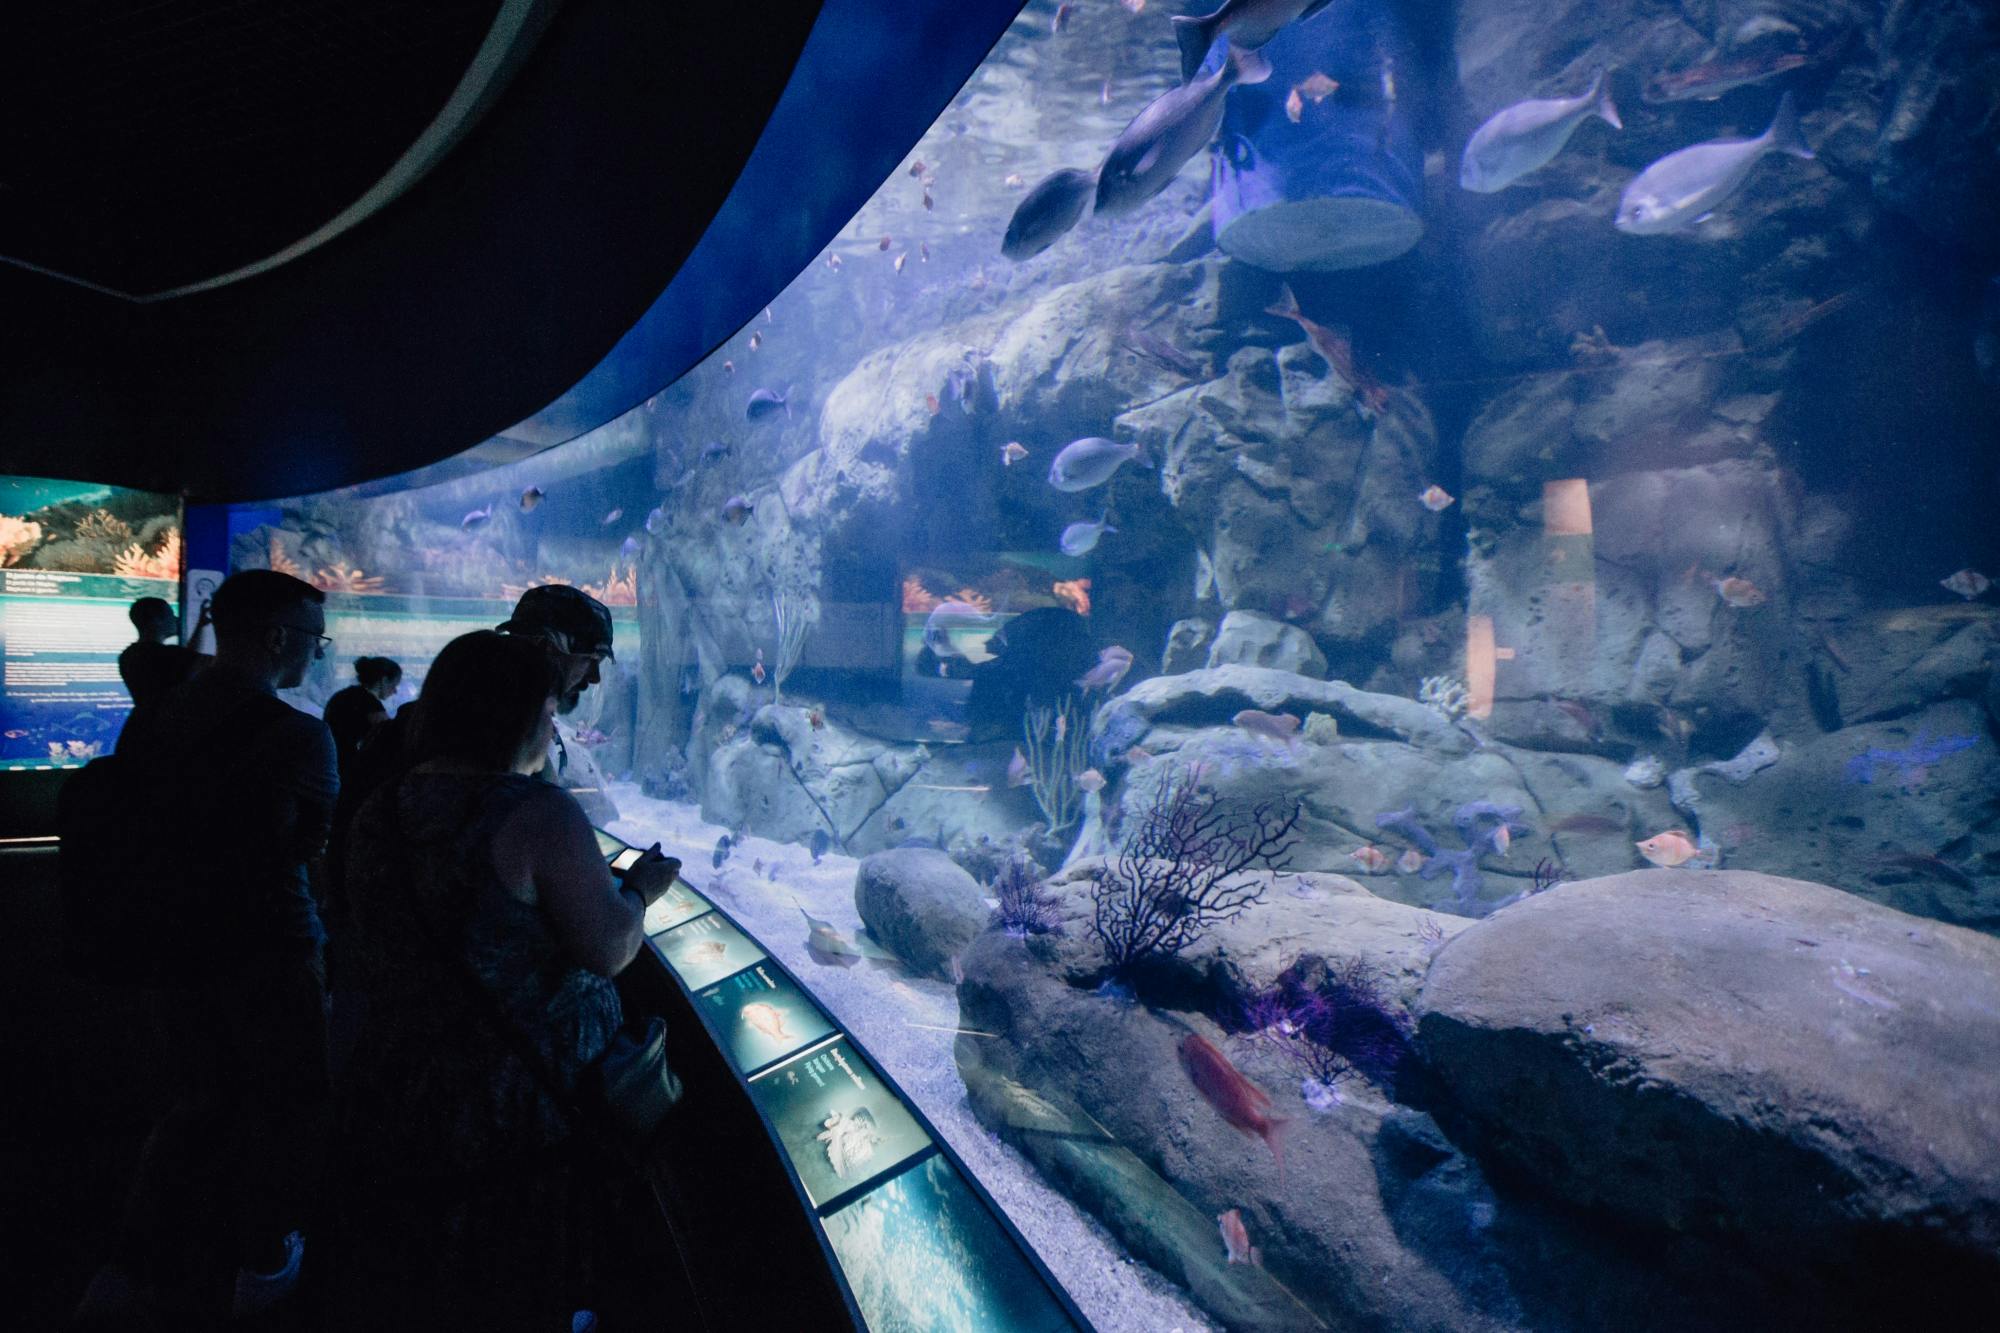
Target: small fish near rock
1236 1239
1175 126
1090 780
1240 1102
1082 538
1012 452
1436 499
1668 849
531 497
736 511
1090 462
1739 592
765 403
1370 858
1112 664
1967 583
1685 187
1057 203
1527 136
1272 726
1018 773
476 518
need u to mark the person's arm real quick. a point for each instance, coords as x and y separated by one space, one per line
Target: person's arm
598 921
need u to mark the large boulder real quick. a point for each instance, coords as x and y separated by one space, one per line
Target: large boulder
1251 639
1774 1064
919 905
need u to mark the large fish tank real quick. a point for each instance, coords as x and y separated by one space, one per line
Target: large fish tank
1502 827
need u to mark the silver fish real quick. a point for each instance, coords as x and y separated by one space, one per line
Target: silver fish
476 517
1527 136
1249 23
1090 462
1057 203
1081 538
1112 664
765 402
1683 188
1174 127
946 618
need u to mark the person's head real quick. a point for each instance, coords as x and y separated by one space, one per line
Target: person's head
269 624
154 618
490 700
378 675
573 627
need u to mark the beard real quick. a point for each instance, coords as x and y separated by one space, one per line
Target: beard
566 703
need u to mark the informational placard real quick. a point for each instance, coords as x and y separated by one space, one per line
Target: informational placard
920 1251
762 1016
676 905
838 1121
73 559
706 950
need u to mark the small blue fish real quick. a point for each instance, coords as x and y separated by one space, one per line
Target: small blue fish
764 403
653 519
630 547
610 518
722 845
476 517
819 844
1081 538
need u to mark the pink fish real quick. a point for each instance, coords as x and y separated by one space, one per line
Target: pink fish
1410 862
1112 664
1090 780
767 1019
1371 858
1235 1098
1236 1239
1275 726
1671 848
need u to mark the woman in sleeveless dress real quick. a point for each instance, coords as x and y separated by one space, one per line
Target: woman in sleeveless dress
462 1190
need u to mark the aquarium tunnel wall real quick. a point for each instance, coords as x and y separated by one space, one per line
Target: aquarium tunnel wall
1369 676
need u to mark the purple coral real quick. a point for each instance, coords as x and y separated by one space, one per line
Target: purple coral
1912 763
1331 1025
1479 824
1020 907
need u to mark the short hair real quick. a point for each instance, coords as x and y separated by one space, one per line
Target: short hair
372 671
255 597
483 697
150 611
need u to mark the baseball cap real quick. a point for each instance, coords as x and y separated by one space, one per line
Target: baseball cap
579 622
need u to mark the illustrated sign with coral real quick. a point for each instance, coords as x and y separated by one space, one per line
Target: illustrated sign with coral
73 558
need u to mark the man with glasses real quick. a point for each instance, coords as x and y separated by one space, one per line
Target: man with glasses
576 629
224 1185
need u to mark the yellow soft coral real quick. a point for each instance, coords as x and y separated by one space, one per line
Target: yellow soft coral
135 562
340 578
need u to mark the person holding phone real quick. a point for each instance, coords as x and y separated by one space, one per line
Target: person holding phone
486 918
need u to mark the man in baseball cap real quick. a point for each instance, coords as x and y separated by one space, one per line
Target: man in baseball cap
575 626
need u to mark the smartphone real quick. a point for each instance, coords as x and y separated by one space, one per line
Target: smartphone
626 859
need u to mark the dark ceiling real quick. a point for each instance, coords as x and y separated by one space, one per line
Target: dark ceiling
148 146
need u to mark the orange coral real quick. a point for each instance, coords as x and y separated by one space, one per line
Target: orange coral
135 562
917 599
1074 594
516 589
17 538
278 561
340 578
973 597
617 589
100 525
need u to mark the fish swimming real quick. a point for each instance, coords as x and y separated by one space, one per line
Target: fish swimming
1273 726
1153 345
1668 849
735 511
530 497
1057 203
1112 664
949 618
1371 396
756 341
1249 23
611 518
1712 78
1685 187
1239 1101
716 450
767 1019
1090 780
1739 592
1174 127
1018 774
1089 462
1967 583
1410 862
1081 538
1012 452
764 403
476 517
827 946
721 854
1370 858
819 844
1527 136
1236 1239
653 518
1436 498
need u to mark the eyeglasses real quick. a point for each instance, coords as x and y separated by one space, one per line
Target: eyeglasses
325 641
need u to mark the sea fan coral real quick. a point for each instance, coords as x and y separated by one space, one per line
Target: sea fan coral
17 538
973 597
1020 907
340 578
101 525
917 599
1074 594
618 589
1331 1020
278 561
135 562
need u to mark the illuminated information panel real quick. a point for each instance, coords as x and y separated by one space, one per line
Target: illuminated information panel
73 558
918 1243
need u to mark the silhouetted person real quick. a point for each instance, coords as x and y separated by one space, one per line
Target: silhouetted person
487 930
353 713
224 1185
150 666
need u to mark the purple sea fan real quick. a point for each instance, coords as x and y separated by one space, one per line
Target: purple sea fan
1020 907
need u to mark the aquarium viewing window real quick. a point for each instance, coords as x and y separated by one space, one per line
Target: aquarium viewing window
73 558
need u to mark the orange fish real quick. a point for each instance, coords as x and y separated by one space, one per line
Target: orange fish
817 718
1317 87
1239 1101
1669 849
1236 1239
1436 498
931 401
1295 106
1371 858
1410 862
1501 838
1090 780
1274 726
1012 452
1739 592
